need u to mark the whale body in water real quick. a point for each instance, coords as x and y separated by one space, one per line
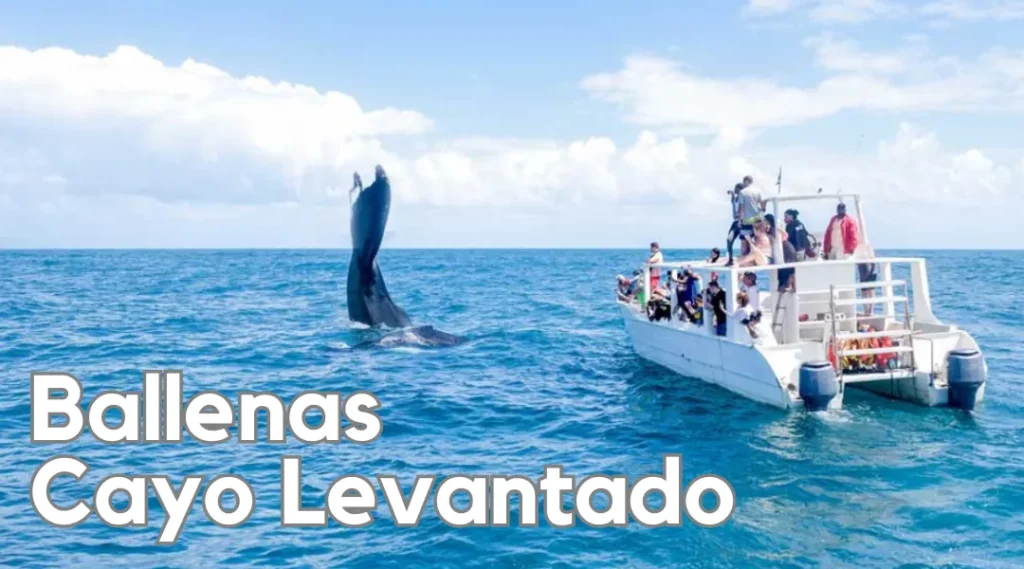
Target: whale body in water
415 336
368 298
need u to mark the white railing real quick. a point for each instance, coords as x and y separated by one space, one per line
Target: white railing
729 276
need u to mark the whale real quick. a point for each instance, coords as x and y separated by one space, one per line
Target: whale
417 336
368 299
369 302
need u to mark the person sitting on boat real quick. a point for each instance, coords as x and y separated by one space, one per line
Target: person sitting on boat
656 258
659 307
760 247
775 235
841 235
626 288
716 300
716 256
797 234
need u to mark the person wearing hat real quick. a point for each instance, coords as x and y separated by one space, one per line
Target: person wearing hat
797 234
841 235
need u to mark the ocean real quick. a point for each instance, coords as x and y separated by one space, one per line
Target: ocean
547 376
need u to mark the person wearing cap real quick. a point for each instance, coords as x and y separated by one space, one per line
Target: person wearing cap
841 235
627 287
797 234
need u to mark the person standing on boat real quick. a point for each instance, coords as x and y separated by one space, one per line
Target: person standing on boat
749 286
656 258
715 258
739 320
716 300
688 294
747 205
841 235
751 206
797 234
734 229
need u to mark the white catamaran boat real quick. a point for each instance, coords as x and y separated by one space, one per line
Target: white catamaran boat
827 333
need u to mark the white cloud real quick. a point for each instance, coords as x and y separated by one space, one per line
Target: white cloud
132 124
829 12
124 150
855 11
770 6
840 54
658 92
976 10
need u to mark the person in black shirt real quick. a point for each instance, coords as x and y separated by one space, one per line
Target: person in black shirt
716 300
796 234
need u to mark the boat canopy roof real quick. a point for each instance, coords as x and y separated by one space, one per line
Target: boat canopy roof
808 197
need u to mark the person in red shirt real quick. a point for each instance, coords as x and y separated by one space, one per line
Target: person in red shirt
842 228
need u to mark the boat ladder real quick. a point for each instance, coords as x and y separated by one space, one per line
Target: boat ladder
901 339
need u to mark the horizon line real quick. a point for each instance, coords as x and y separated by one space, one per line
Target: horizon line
243 248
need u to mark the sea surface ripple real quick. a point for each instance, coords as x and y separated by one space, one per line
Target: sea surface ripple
547 377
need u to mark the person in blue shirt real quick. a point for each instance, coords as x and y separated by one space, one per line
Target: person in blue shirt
688 291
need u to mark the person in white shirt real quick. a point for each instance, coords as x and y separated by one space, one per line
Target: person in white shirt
753 293
740 318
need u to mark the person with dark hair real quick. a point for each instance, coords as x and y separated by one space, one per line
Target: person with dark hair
775 235
797 234
716 256
868 273
734 228
841 236
717 301
751 290
688 295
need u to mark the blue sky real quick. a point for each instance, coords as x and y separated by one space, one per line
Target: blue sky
601 122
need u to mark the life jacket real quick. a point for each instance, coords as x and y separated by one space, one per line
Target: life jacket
868 360
883 359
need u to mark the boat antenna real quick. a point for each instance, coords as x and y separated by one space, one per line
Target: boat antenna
778 182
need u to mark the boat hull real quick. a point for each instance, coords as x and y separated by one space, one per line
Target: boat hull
770 374
742 369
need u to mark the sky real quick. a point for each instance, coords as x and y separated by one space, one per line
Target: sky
505 124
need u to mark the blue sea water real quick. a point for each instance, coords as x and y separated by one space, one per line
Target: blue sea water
547 377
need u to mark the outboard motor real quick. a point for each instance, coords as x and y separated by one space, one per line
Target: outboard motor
818 385
965 373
